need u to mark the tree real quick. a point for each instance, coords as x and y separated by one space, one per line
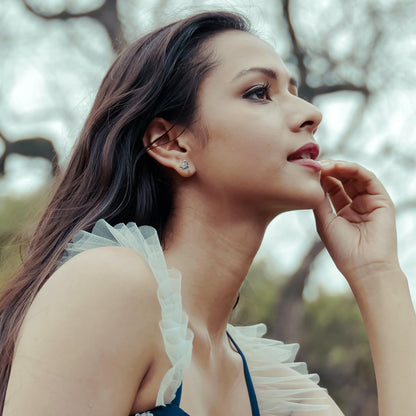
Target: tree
324 71
33 147
353 59
333 342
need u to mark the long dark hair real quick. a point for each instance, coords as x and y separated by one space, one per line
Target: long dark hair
110 174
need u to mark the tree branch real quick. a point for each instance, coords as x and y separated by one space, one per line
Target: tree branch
310 93
59 16
297 50
288 311
404 206
106 14
32 147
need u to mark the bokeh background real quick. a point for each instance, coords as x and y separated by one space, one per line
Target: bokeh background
354 59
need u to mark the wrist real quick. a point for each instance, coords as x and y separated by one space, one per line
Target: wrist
377 284
373 273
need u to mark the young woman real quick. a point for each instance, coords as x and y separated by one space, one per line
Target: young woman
197 140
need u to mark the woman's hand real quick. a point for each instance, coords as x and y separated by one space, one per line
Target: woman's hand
361 238
359 231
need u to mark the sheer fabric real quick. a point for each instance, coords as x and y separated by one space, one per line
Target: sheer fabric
281 385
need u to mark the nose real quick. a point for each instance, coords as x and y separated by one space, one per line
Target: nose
305 116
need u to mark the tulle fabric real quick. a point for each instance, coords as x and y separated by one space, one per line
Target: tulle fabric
281 385
177 337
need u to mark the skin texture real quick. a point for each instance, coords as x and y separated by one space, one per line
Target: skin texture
361 238
238 180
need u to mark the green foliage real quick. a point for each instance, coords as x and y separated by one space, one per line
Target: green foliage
18 217
334 342
257 296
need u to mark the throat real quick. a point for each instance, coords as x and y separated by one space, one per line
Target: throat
213 249
220 389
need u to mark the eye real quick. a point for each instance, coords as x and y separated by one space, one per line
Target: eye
258 93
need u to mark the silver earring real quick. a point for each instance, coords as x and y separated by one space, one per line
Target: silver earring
184 165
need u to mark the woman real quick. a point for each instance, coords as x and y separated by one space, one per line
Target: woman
196 131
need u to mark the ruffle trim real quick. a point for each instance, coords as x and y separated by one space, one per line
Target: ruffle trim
177 337
281 385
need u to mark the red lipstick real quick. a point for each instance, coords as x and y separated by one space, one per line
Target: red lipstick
306 156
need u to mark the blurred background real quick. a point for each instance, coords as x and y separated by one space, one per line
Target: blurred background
354 59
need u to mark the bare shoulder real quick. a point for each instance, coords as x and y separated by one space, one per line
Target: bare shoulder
114 283
119 269
89 337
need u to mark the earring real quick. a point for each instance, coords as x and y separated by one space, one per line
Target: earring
184 165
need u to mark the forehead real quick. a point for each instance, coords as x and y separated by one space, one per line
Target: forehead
235 51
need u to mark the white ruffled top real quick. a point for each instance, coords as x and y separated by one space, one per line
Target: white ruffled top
281 385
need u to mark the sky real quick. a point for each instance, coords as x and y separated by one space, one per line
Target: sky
55 105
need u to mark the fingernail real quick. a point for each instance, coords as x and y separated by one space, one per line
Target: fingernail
325 163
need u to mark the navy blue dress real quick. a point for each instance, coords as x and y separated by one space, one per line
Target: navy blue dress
173 408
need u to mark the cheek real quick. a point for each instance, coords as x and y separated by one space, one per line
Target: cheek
246 130
245 142
245 168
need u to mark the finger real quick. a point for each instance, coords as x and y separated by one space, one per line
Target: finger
356 179
324 214
336 192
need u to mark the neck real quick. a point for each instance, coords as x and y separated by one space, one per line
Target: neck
213 251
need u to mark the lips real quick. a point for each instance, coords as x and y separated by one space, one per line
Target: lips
305 156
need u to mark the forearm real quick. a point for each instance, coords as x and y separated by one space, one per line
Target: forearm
390 318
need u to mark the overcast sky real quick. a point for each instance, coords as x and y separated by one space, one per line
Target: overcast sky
35 101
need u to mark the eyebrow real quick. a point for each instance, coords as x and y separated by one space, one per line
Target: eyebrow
266 71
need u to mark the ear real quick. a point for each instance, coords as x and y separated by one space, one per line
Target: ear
169 144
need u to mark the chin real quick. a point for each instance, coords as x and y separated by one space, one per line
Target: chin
310 199
318 199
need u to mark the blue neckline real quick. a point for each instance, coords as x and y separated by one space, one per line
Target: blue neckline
251 392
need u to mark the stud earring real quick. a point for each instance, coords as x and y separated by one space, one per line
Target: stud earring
184 165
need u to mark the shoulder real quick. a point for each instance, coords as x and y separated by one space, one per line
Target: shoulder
116 277
114 266
90 332
106 284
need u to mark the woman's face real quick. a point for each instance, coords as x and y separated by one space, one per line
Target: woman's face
255 123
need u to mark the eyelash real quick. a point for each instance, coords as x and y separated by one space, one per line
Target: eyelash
262 89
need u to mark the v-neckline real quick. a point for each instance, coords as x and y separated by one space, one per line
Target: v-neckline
251 392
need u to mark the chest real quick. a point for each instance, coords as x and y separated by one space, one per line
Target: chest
222 394
205 391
